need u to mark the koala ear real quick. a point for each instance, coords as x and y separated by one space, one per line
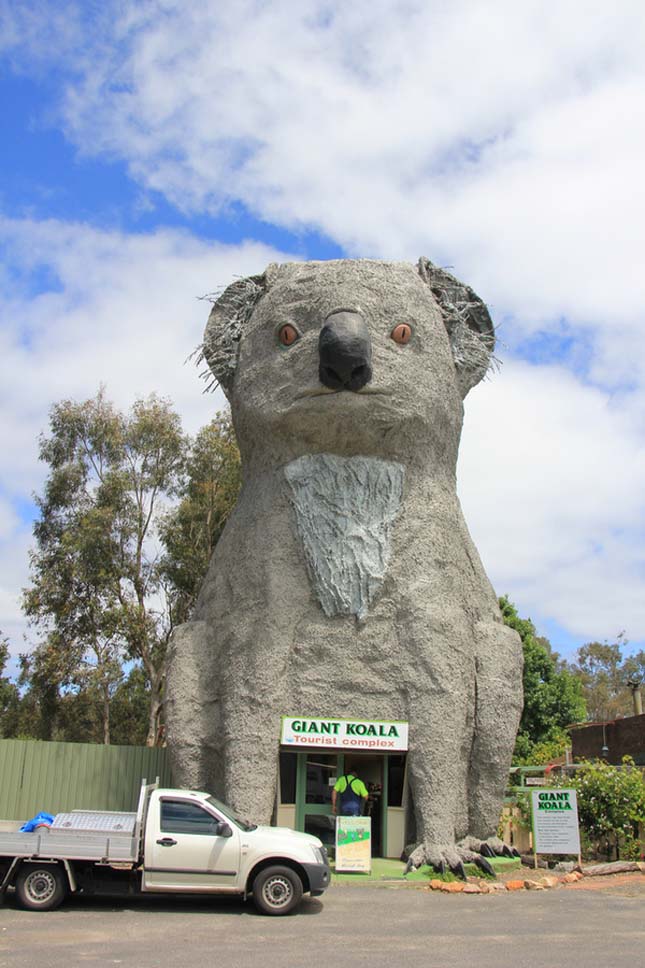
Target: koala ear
466 318
225 324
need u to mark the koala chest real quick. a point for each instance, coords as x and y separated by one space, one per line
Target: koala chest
343 514
331 563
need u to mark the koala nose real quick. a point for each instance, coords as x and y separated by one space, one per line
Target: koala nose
345 352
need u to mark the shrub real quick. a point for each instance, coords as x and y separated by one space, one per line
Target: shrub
611 805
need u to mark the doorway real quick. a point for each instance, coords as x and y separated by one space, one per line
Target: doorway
314 774
317 774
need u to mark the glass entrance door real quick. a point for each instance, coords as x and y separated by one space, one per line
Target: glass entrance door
384 775
317 774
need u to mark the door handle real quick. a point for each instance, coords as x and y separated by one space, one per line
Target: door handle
166 842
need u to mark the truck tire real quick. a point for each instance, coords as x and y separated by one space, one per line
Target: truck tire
41 887
277 890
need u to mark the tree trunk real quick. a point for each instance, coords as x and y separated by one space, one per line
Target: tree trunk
154 737
106 715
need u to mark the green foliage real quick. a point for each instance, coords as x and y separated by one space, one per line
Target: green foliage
611 804
541 753
130 709
552 695
105 595
191 529
523 803
9 696
606 677
97 594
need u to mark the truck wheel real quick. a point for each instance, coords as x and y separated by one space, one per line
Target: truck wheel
40 887
277 890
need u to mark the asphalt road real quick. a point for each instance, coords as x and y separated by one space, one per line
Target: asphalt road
350 926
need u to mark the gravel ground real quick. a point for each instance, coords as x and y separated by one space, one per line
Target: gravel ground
586 925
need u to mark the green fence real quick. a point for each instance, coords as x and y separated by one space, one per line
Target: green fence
58 777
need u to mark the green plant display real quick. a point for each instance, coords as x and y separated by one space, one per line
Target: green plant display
611 805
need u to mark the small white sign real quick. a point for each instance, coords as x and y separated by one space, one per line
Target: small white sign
555 822
354 844
345 734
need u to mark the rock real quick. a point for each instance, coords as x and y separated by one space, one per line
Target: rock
452 887
472 889
565 866
572 877
534 885
515 885
435 884
550 881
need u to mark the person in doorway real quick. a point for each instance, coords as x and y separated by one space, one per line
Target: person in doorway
353 795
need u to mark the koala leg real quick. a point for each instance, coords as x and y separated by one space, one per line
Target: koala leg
251 773
192 709
498 708
253 687
458 783
437 771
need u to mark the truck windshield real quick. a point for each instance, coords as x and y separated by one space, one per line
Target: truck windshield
228 813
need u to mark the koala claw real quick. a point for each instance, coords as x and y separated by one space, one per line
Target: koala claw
493 847
485 866
447 856
471 850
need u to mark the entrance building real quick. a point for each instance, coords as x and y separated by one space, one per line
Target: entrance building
314 754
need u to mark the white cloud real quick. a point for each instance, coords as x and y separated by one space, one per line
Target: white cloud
500 138
552 471
503 139
124 313
552 477
9 520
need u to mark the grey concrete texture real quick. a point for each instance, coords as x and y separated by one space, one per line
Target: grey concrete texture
345 508
400 621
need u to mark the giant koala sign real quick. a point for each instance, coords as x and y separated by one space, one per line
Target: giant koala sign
346 582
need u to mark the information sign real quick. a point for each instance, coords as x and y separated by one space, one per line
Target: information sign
344 734
555 822
354 844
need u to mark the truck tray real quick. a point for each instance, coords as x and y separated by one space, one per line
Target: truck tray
110 837
96 821
65 844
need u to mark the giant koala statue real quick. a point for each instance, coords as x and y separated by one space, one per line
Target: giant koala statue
346 582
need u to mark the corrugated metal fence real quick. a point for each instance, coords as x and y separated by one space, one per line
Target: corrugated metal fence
58 777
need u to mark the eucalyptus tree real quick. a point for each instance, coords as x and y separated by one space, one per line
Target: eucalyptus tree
9 696
552 695
191 528
97 591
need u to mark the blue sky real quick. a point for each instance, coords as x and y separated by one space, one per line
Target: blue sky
152 151
44 176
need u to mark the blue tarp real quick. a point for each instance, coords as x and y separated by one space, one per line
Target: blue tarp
41 819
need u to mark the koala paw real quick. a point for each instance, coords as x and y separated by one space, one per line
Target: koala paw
471 850
442 857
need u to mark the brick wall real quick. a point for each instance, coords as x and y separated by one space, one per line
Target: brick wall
624 737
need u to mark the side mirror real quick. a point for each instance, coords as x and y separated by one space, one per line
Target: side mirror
223 830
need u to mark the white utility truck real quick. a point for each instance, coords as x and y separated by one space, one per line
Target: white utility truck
178 841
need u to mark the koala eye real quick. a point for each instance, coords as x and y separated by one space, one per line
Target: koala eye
401 334
288 334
